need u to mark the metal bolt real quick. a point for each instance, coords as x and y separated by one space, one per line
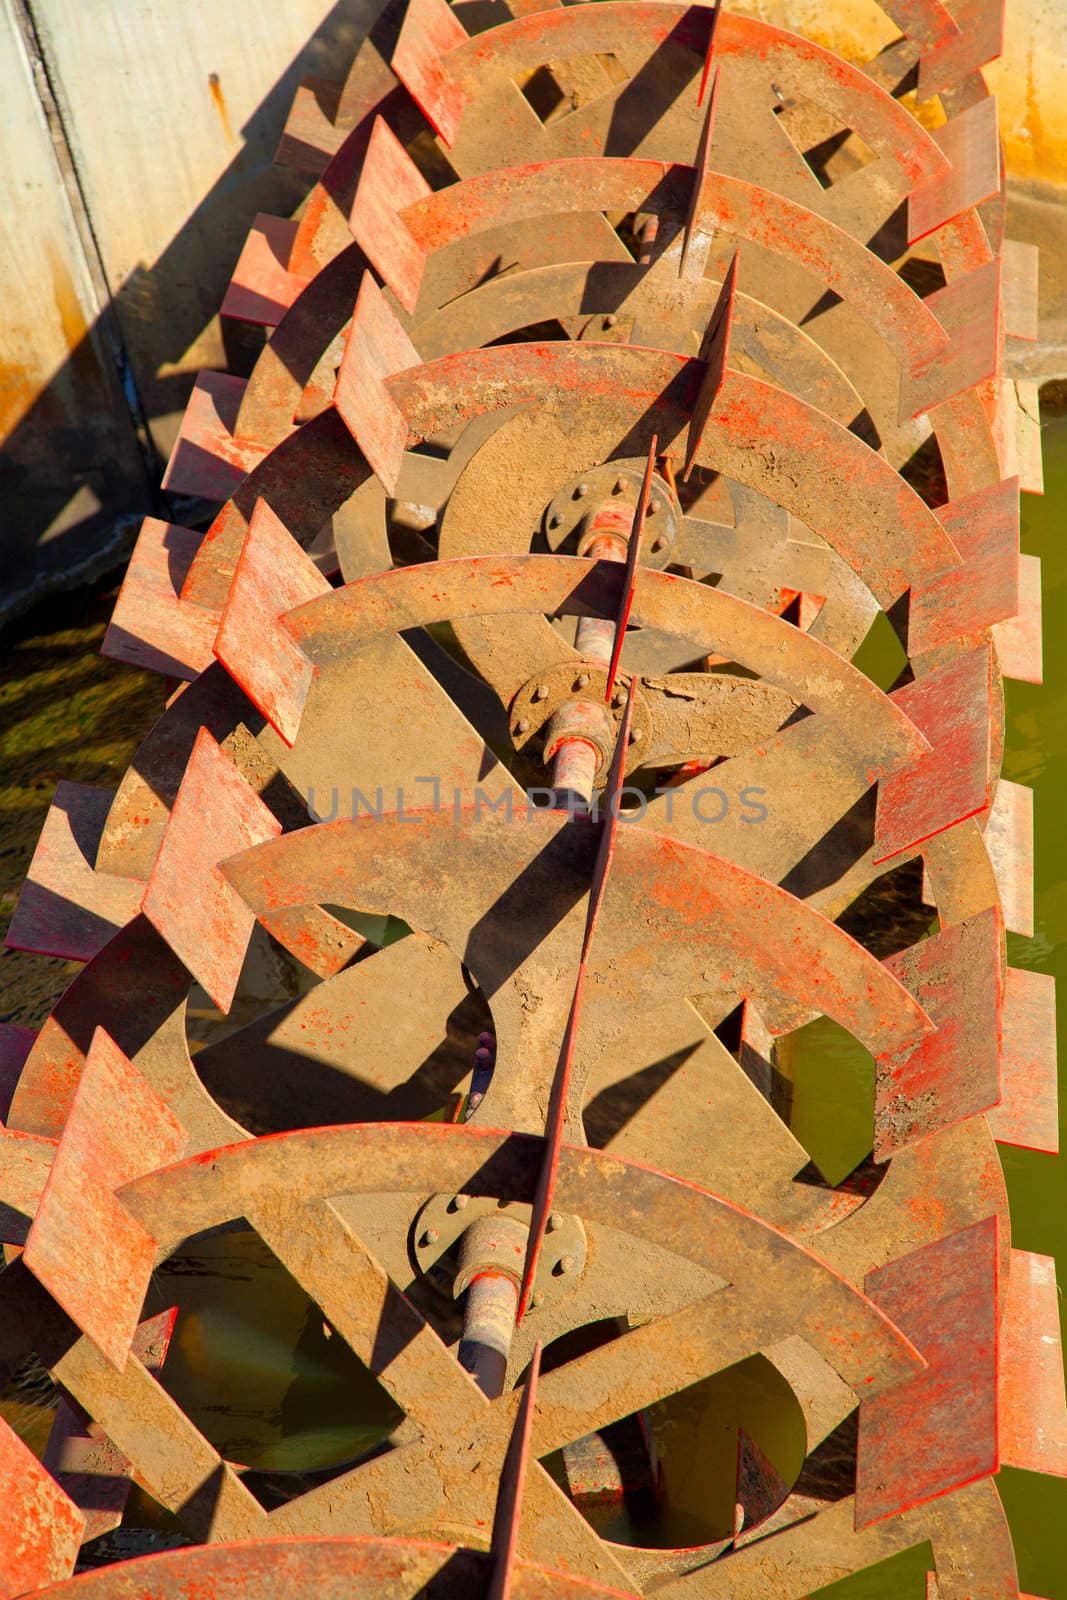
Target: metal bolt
581 491
566 1264
541 692
618 486
523 725
581 680
555 519
610 320
652 508
536 1299
485 1038
431 1236
619 698
555 1221
633 737
657 544
459 1201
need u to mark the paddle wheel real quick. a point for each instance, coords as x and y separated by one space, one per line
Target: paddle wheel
583 740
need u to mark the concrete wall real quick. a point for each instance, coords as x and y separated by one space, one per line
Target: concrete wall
136 145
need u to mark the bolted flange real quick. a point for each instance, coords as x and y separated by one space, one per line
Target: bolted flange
495 1243
543 701
616 484
448 1263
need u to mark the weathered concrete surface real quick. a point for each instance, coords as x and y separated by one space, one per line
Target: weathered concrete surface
136 146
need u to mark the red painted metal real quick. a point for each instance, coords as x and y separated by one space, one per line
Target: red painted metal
715 354
376 348
25 1162
629 576
523 907
215 814
84 1247
1033 1415
15 1045
508 1519
1009 838
80 1456
262 288
1019 288
389 181
129 989
970 141
951 705
561 1078
968 309
1018 639
984 527
42 1527
339 1568
795 64
66 908
859 1340
151 625
716 622
700 171
430 31
821 472
979 39
938 1429
1028 1115
761 1489
927 22
273 576
955 1072
933 369
208 460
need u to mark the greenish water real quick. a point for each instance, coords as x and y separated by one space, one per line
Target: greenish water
1036 754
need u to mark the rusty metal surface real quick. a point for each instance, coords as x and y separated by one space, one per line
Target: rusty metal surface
66 907
1028 1114
556 200
984 527
712 621
951 705
273 576
955 1073
44 1527
262 288
83 1246
334 1569
1033 1416
151 626
81 1458
938 1430
508 1519
207 459
187 900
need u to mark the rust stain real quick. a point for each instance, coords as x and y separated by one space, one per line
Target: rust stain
68 305
21 386
220 104
18 390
